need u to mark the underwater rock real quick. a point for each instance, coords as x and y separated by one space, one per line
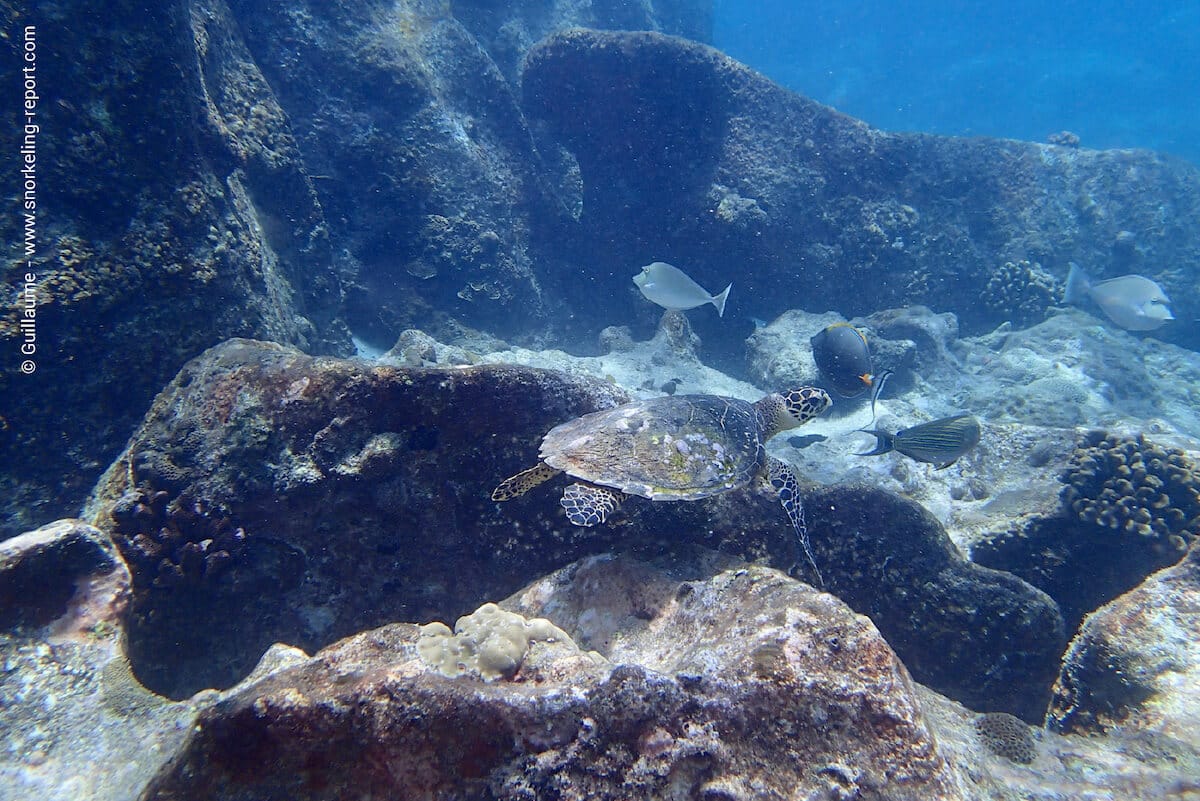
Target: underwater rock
982 637
415 348
507 31
76 723
1073 370
1135 663
844 216
426 161
62 579
162 197
780 353
932 334
794 696
271 496
1130 507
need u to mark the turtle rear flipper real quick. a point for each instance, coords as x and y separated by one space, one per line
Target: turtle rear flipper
588 505
523 482
788 489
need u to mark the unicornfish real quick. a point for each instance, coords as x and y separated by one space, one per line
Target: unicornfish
672 289
1133 302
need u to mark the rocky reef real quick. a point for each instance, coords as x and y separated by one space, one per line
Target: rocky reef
300 174
1136 660
1128 509
211 505
649 689
673 705
258 599
215 502
76 723
712 166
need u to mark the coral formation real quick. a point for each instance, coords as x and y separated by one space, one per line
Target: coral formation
1064 139
489 642
1134 486
1006 736
169 541
1021 291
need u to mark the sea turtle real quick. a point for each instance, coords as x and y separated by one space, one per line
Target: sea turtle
671 448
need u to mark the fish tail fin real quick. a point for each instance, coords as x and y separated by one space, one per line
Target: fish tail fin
719 301
1077 286
884 442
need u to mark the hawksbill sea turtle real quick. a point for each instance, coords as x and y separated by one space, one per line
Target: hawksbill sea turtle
672 448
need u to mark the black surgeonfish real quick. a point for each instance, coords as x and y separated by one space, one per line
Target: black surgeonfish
938 442
843 357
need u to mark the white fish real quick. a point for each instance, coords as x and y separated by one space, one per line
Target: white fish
672 289
1133 302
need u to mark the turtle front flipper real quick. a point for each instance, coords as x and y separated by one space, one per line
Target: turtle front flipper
788 489
589 505
523 482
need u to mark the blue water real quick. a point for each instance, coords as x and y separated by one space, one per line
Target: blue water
1117 74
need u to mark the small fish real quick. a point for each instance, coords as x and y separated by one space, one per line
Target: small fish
842 355
1133 302
806 440
938 442
670 386
672 289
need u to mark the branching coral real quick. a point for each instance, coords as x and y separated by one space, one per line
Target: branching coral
1135 486
1021 292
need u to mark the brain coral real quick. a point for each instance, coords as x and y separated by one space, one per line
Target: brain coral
1021 292
1006 736
1135 486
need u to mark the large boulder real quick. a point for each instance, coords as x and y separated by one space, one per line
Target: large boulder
76 723
272 496
160 194
981 636
689 157
793 696
1135 663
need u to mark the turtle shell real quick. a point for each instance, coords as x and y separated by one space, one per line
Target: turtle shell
678 447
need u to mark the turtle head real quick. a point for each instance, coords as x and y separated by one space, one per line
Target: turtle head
795 407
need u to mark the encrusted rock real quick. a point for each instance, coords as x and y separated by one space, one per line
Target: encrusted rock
1135 663
76 723
791 697
63 579
270 496
983 637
